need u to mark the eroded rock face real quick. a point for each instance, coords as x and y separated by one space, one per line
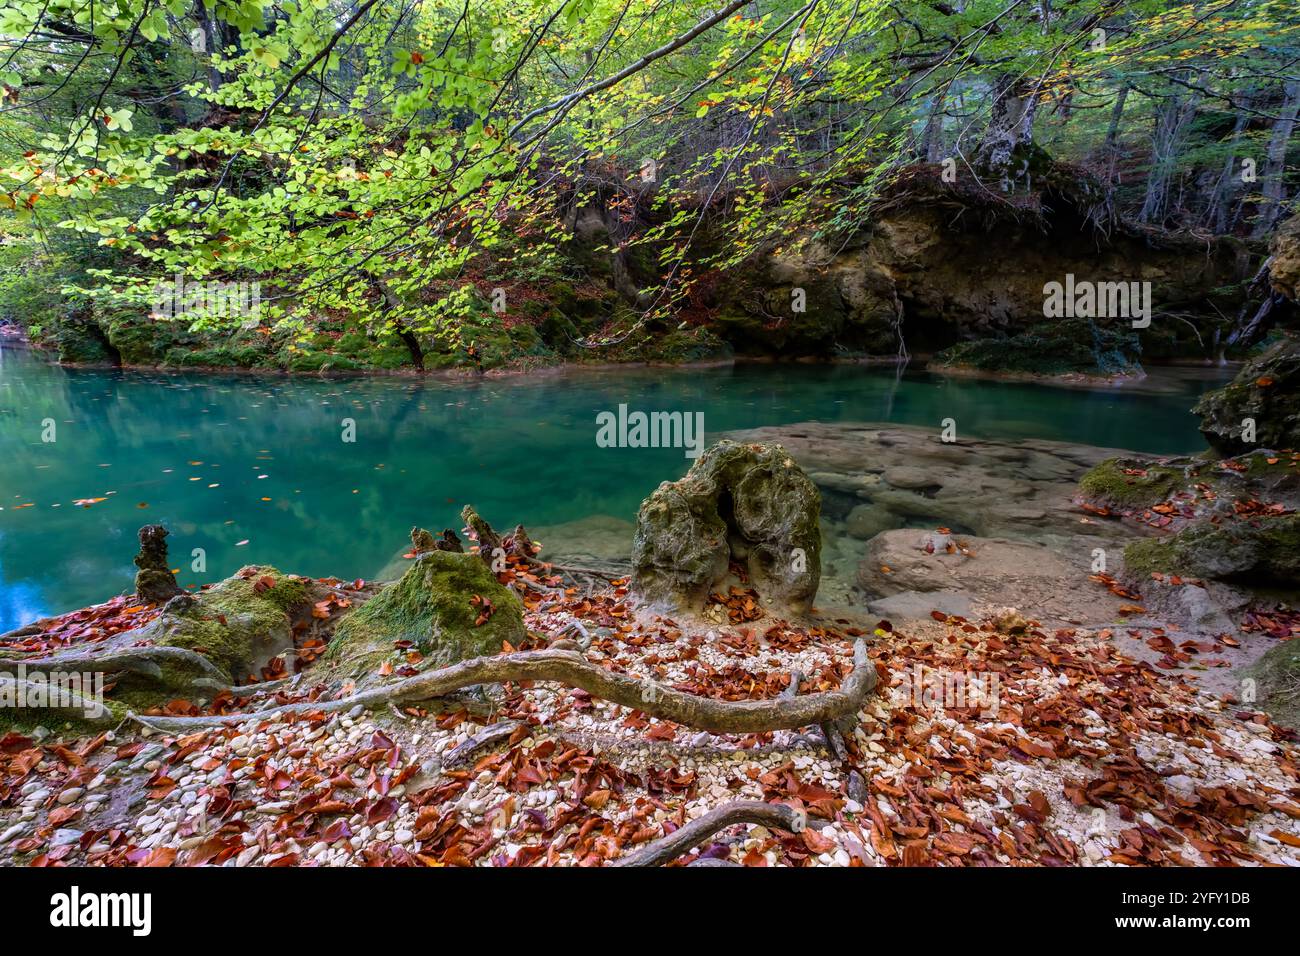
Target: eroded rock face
751 503
1284 270
449 605
1267 390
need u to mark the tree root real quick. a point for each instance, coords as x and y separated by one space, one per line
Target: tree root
63 703
666 849
570 668
136 660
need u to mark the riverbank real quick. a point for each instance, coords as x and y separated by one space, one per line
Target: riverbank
1026 710
1067 751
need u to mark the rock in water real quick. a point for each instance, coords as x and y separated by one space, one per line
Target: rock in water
749 503
1266 390
449 605
154 582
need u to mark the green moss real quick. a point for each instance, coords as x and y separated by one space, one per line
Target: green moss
1277 679
1262 553
1060 347
431 606
236 624
1107 485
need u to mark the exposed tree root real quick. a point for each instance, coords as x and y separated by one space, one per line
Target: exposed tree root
137 660
569 668
666 849
63 703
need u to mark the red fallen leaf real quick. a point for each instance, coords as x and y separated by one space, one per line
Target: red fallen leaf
957 844
286 859
597 799
385 668
939 616
162 856
381 810
61 815
662 731
281 781
1132 609
338 830
817 843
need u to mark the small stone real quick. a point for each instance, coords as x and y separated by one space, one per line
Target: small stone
71 794
65 837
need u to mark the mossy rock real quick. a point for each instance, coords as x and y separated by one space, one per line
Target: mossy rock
750 503
1060 347
1277 683
432 606
79 340
1256 553
239 623
1267 390
1128 484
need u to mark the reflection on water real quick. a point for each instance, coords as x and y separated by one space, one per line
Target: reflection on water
255 469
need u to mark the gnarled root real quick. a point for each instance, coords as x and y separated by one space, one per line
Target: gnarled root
136 660
666 849
570 668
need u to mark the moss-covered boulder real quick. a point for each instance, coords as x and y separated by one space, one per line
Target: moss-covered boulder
448 605
1259 553
748 503
1277 683
1062 347
1267 390
239 623
1131 484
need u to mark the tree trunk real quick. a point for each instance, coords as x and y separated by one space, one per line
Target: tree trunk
1275 164
1171 122
1002 154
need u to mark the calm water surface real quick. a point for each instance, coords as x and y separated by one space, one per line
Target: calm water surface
254 469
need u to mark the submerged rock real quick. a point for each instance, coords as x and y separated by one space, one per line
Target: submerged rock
449 605
1267 390
750 503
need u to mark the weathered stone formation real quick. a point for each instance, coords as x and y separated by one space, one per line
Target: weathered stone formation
423 541
1266 390
1284 268
154 582
1262 552
748 503
449 605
